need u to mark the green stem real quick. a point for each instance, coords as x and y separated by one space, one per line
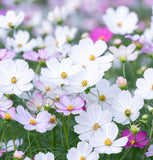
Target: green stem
134 153
54 133
37 68
3 134
125 153
123 64
29 143
13 139
151 130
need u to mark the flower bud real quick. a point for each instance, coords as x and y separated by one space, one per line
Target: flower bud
145 117
150 109
84 35
134 129
117 42
121 82
18 154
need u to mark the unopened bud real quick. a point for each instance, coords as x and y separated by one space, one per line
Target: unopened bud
134 129
145 117
121 82
18 154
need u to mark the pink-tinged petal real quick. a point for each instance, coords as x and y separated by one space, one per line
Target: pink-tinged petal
2 53
41 128
30 127
60 106
42 54
78 102
141 136
32 56
65 100
10 55
43 117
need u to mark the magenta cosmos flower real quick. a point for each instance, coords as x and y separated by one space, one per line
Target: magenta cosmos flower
42 55
4 54
68 106
138 140
38 123
101 33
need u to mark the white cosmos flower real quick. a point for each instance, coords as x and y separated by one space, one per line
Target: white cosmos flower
82 152
43 156
64 34
124 53
21 42
59 72
126 108
145 85
58 15
91 121
88 52
11 19
104 93
87 77
120 21
15 77
104 141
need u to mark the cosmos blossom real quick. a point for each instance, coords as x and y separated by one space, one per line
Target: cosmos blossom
138 140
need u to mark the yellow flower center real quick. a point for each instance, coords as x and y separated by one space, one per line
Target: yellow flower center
9 24
108 142
19 45
96 126
38 107
119 24
56 43
13 80
47 89
7 116
102 38
70 107
127 112
102 97
63 75
52 120
82 158
92 57
84 83
32 121
132 142
152 87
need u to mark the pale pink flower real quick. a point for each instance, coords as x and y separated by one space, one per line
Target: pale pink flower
38 123
2 151
121 82
4 54
42 55
9 114
18 154
4 103
68 106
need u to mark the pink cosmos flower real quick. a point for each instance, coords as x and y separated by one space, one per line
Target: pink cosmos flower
42 55
38 123
101 33
68 106
37 102
150 151
4 54
138 140
9 114
2 151
4 103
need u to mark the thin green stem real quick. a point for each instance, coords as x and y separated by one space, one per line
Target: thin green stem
29 143
3 134
37 68
13 139
125 153
124 75
151 130
134 153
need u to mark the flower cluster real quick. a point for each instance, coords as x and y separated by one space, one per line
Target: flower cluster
76 80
